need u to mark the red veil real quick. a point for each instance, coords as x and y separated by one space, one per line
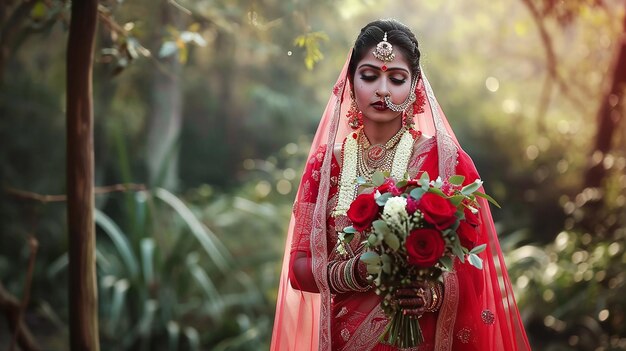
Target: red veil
479 311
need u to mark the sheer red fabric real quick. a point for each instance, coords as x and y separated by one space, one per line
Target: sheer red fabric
479 310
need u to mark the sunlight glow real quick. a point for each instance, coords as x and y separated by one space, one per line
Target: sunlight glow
492 84
263 188
283 187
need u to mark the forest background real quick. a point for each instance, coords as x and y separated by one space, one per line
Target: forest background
203 116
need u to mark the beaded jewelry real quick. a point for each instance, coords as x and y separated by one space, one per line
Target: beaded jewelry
354 163
384 52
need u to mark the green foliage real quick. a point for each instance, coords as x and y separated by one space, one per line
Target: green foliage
311 43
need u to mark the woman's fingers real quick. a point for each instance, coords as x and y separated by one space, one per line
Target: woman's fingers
406 292
415 312
410 303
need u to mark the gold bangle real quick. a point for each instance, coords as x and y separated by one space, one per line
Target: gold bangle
437 297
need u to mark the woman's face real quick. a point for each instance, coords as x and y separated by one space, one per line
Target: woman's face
372 84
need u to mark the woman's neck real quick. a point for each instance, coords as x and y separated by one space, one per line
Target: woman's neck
380 133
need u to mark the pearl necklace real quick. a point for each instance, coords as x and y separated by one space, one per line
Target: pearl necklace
353 163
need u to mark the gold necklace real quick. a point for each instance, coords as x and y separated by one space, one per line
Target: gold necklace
353 163
375 157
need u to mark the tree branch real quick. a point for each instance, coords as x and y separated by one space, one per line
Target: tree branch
14 310
551 65
27 195
33 244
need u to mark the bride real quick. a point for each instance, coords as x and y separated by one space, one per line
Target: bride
383 100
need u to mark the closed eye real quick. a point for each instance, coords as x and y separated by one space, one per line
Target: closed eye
368 78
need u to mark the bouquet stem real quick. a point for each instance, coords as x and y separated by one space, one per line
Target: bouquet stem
403 331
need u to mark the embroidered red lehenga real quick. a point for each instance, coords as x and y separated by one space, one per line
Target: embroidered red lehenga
479 310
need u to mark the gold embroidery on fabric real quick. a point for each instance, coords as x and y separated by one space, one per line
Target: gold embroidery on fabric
464 335
342 312
319 237
345 334
419 156
447 313
302 227
488 317
365 337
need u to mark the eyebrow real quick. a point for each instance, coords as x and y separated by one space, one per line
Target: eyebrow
378 68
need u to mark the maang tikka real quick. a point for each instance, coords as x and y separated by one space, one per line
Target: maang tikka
384 52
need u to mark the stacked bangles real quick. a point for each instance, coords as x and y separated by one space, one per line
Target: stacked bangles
342 276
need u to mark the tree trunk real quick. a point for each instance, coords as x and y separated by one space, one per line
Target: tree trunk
609 117
83 296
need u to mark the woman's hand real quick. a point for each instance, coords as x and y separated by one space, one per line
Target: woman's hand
414 299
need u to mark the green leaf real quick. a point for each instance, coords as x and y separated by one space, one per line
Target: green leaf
470 188
425 177
38 11
387 263
478 249
401 184
193 337
417 193
447 262
120 241
381 227
457 250
382 199
457 199
489 198
119 297
437 191
475 261
456 180
372 239
370 257
173 333
147 259
392 241
374 269
346 238
349 230
205 283
209 241
378 178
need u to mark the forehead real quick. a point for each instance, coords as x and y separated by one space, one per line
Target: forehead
399 61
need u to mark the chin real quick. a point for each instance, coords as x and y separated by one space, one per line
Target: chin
382 117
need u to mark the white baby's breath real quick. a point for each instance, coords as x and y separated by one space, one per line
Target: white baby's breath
394 211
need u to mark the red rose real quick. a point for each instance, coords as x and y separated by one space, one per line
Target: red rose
467 234
362 212
471 218
389 186
425 247
437 210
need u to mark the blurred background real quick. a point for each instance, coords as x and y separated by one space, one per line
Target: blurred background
204 113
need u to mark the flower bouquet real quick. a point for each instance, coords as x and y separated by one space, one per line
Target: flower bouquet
413 230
